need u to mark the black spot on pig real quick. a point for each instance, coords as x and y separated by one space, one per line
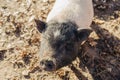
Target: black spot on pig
59 44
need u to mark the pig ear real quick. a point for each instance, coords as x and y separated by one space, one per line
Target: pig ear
83 34
41 26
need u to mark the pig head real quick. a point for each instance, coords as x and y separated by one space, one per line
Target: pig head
59 43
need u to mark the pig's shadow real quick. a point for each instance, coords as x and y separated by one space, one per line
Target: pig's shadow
105 8
102 58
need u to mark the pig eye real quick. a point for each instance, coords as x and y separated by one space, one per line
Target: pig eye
58 44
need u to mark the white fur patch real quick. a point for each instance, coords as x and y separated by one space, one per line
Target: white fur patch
56 33
78 11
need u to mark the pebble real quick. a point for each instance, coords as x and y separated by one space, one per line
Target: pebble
26 73
45 0
31 18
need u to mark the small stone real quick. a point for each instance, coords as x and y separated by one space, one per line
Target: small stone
31 18
45 0
98 21
109 69
26 73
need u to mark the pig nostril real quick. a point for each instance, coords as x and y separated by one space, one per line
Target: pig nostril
50 65
47 65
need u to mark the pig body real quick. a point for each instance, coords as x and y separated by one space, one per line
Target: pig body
66 27
77 11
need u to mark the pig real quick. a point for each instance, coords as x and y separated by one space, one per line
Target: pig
66 27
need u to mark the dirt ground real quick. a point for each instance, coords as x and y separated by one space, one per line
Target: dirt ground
99 56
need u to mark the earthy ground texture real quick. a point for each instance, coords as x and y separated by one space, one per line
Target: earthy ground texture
99 57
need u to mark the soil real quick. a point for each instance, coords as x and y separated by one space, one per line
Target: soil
99 56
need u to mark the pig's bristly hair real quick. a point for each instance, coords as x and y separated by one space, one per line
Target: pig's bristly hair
61 31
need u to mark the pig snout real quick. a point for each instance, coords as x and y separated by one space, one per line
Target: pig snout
48 65
47 62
